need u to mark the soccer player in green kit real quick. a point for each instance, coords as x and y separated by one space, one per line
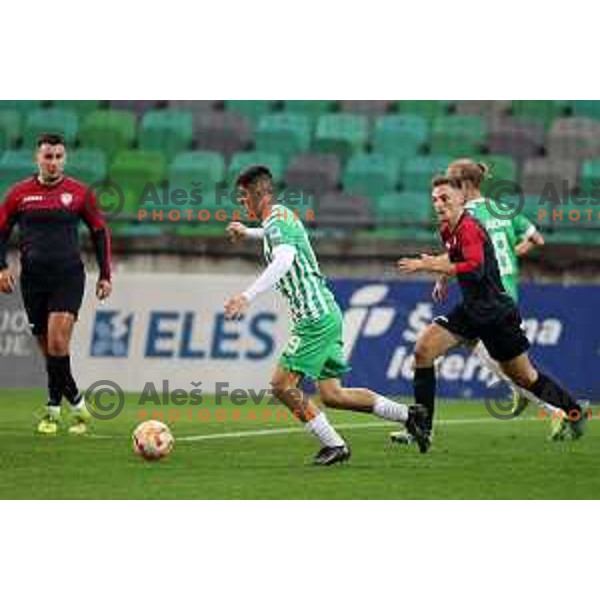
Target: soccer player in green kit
315 346
512 238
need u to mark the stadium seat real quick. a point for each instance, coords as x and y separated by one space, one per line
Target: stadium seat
340 210
203 167
14 166
313 173
241 160
557 176
283 134
405 215
429 109
312 109
86 164
543 110
108 130
139 107
417 173
488 109
226 133
457 135
167 131
251 109
81 107
21 106
519 138
133 170
195 106
54 120
587 108
399 136
10 128
576 138
370 175
368 108
341 134
590 176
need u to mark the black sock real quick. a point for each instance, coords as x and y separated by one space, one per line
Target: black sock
424 386
70 391
55 380
549 391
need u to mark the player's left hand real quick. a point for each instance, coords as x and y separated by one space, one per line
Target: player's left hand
236 306
7 282
103 289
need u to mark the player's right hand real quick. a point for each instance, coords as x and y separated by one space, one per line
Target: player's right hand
236 231
7 282
440 290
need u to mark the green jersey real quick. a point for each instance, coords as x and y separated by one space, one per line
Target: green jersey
505 235
304 286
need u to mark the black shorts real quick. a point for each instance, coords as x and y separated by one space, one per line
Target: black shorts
503 338
45 293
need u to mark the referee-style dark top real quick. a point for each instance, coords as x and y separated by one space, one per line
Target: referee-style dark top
48 217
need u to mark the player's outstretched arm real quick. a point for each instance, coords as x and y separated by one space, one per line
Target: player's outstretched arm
526 246
238 231
440 265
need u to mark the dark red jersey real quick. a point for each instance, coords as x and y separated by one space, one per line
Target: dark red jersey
471 251
48 217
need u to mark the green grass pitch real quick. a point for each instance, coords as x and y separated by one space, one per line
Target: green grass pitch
473 456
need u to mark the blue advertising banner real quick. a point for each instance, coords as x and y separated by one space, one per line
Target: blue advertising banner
383 319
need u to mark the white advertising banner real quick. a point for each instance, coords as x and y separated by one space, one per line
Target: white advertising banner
158 327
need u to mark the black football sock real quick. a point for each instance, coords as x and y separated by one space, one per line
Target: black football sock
55 381
424 387
547 390
70 390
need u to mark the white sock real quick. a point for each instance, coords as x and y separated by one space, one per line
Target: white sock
79 406
489 363
54 411
320 427
389 410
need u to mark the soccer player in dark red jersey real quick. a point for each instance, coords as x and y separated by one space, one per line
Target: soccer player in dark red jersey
48 207
487 312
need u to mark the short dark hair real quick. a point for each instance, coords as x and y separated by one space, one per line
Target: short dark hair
252 174
441 179
54 139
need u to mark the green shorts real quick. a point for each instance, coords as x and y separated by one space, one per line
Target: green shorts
316 348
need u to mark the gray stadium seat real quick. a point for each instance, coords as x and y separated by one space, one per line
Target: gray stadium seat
520 138
222 132
483 108
576 138
344 211
313 173
539 173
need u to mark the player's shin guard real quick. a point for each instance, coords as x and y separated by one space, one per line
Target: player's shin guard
547 390
424 388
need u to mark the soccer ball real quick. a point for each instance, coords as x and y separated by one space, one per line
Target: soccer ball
152 440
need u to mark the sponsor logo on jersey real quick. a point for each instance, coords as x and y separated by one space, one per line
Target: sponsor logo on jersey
33 198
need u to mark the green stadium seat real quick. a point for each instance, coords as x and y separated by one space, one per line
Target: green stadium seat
399 136
252 109
81 107
587 108
14 166
429 109
21 106
341 134
241 160
590 176
109 130
543 110
52 120
312 109
370 175
86 164
283 134
167 131
418 172
457 135
133 170
10 128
